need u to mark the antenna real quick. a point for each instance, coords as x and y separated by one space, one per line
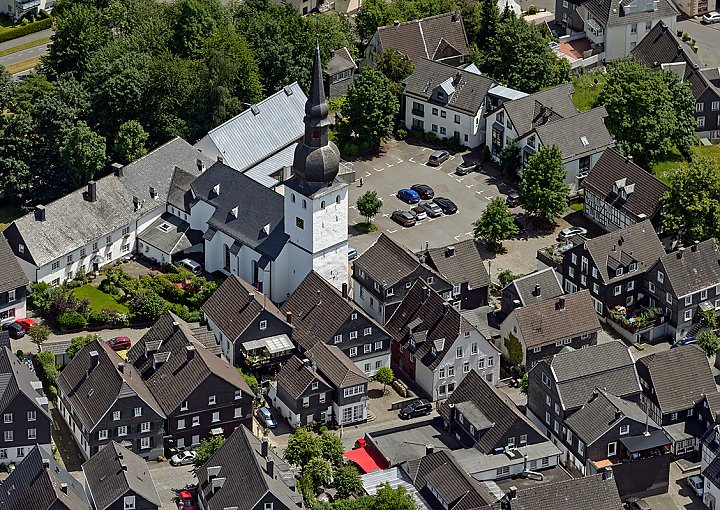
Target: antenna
647 425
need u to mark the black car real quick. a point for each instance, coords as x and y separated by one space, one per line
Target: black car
416 408
14 329
447 205
637 504
404 218
425 191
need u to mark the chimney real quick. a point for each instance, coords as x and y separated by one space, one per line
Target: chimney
46 463
696 246
235 211
288 317
458 77
429 449
425 294
318 300
680 253
536 292
344 291
251 297
456 16
190 351
450 251
176 326
221 159
200 165
92 191
123 465
216 189
94 357
560 304
216 484
512 492
121 367
270 467
40 212
63 488
264 447
396 23
607 474
136 203
628 158
117 169
618 414
446 307
153 192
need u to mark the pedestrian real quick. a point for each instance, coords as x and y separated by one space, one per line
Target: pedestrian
361 182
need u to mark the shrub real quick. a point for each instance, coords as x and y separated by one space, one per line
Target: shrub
401 134
507 276
117 319
42 296
78 343
72 320
533 9
148 306
44 363
160 458
20 354
708 318
52 393
69 303
14 33
97 318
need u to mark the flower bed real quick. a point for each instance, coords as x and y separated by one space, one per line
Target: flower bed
634 319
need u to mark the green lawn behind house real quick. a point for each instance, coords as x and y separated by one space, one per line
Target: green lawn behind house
587 89
98 299
663 168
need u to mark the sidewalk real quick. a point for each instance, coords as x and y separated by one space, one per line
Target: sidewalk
26 39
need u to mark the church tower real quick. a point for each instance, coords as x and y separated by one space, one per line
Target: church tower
316 202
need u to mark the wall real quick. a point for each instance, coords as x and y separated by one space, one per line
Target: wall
369 304
641 479
508 134
471 127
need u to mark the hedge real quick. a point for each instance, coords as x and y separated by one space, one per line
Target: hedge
14 33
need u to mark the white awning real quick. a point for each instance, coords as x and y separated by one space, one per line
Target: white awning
273 344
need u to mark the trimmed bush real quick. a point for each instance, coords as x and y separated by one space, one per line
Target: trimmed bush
14 33
52 393
44 363
72 320
97 318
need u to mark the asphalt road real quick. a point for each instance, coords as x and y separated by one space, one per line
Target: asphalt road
19 56
26 39
708 40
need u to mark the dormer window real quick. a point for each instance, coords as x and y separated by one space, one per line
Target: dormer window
531 141
632 267
618 271
623 195
441 95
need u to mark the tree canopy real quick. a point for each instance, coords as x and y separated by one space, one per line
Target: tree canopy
495 224
543 192
371 107
369 204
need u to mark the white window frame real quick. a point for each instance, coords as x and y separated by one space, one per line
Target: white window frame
102 434
212 400
137 412
263 325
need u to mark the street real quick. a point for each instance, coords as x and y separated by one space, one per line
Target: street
707 38
19 56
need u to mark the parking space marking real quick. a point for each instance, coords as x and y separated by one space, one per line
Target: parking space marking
425 149
452 157
488 198
367 174
411 160
378 169
468 186
390 231
389 165
385 215
351 207
479 192
457 237
398 160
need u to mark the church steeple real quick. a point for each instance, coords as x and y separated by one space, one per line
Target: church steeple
317 159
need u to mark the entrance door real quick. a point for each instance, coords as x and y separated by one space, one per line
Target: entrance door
612 449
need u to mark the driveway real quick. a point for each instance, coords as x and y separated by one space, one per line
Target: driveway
707 38
679 495
170 480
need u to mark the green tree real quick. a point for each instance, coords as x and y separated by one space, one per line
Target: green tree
42 296
79 342
709 342
250 379
371 107
347 481
648 112
708 318
395 67
39 334
542 190
331 447
384 375
206 450
523 383
7 88
302 446
387 498
506 276
510 158
83 154
515 350
334 31
692 204
193 21
148 306
488 19
372 14
495 224
319 471
130 142
368 205
16 145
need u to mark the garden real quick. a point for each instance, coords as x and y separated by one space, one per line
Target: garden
120 299
634 318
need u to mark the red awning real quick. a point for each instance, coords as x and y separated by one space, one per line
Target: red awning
365 459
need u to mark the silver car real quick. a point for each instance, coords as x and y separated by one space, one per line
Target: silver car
431 208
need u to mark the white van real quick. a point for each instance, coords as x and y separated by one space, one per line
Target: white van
190 265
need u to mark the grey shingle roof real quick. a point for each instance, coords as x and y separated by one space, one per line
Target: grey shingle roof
610 14
179 195
172 382
460 265
662 46
469 92
526 112
34 485
249 138
667 368
526 286
231 308
115 470
16 378
245 474
295 377
340 61
423 38
174 237
336 366
697 269
11 274
91 395
570 134
608 365
547 321
257 206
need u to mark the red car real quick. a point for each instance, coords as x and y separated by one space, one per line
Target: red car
120 343
187 502
26 323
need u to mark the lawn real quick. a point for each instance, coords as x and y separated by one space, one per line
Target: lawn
25 65
587 89
25 46
8 214
672 160
98 299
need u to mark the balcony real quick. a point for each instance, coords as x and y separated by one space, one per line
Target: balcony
635 317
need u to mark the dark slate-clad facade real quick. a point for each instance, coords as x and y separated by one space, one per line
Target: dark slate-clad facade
13 284
339 73
531 288
117 479
302 394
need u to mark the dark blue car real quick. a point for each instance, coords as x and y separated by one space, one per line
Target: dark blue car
409 196
684 341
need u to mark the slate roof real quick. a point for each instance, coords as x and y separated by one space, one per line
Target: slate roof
526 112
525 286
178 376
639 239
608 365
114 472
697 269
611 167
340 61
337 368
434 323
179 195
231 308
174 237
245 474
460 265
469 92
16 378
547 321
295 377
258 208
91 395
571 133
35 486
494 404
610 14
12 275
319 311
72 222
666 368
600 414
440 471
423 38
712 472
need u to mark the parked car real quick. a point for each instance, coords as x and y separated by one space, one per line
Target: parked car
191 266
187 501
266 418
432 209
447 205
418 213
513 199
637 504
466 167
425 191
438 157
352 253
404 218
416 408
685 341
697 485
26 323
409 196
14 329
710 18
183 458
567 233
119 343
